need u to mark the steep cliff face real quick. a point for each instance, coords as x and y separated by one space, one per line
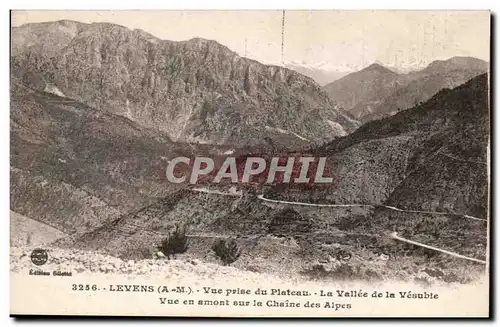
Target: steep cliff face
195 90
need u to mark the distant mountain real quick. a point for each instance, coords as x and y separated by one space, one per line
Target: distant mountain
423 84
321 76
405 91
195 91
360 92
455 63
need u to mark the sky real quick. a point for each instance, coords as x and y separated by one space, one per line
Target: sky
333 40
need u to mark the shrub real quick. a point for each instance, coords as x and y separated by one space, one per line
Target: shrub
176 242
228 252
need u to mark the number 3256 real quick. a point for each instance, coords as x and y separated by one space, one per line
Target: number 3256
84 287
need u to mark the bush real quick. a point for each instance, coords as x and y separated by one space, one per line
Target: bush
176 242
228 252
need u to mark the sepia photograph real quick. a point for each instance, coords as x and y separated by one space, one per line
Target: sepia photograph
250 163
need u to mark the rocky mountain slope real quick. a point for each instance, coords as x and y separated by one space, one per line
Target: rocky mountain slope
324 244
95 119
74 167
429 158
196 90
432 156
375 93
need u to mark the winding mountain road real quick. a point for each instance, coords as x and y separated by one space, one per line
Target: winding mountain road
261 197
204 190
392 235
395 236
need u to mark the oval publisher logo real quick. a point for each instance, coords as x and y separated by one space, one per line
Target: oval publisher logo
39 257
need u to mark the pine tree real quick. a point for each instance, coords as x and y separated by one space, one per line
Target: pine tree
176 242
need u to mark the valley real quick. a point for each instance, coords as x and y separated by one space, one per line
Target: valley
98 118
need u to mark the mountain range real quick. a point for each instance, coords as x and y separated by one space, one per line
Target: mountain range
376 91
98 110
196 91
325 72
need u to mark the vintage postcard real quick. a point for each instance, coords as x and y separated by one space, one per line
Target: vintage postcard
280 163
